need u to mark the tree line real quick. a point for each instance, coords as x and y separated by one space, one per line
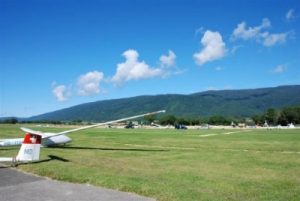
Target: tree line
282 117
213 120
272 116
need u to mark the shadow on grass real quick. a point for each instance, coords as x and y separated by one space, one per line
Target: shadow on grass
108 149
2 166
50 158
10 148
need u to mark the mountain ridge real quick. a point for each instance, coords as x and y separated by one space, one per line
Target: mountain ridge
233 103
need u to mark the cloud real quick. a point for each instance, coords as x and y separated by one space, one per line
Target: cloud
289 16
89 83
235 48
259 34
213 48
241 31
273 39
169 60
279 69
133 69
60 92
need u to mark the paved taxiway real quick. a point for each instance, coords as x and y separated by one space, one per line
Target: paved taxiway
19 186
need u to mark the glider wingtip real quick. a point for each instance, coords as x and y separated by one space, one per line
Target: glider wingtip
23 129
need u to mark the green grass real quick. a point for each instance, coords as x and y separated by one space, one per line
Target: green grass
177 165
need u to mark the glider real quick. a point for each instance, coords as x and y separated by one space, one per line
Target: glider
53 139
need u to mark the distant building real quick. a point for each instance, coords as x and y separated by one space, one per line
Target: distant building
241 125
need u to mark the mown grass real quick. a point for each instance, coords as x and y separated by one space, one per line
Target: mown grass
176 165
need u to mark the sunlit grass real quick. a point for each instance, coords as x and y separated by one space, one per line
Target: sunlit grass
176 165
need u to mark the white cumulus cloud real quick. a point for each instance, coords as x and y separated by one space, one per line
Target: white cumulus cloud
259 34
89 83
168 60
213 48
133 69
60 92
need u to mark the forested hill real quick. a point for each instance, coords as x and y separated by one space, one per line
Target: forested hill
229 103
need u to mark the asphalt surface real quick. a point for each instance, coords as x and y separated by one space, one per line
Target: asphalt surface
19 186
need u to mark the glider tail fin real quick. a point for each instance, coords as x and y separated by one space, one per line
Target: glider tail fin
30 148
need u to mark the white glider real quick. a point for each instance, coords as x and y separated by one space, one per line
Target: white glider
52 139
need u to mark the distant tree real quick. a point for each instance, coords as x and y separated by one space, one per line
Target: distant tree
203 120
271 116
182 121
258 119
193 122
290 115
76 122
282 120
219 120
55 122
150 118
167 120
284 117
12 120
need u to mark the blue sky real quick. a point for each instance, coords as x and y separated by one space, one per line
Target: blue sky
56 54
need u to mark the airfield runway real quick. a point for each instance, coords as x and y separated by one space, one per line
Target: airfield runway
19 186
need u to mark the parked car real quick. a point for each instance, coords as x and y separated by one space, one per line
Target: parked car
129 125
180 126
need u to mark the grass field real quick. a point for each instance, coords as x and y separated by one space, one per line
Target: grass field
176 165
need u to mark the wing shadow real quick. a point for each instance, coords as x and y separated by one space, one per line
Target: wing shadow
2 166
10 148
109 149
50 158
